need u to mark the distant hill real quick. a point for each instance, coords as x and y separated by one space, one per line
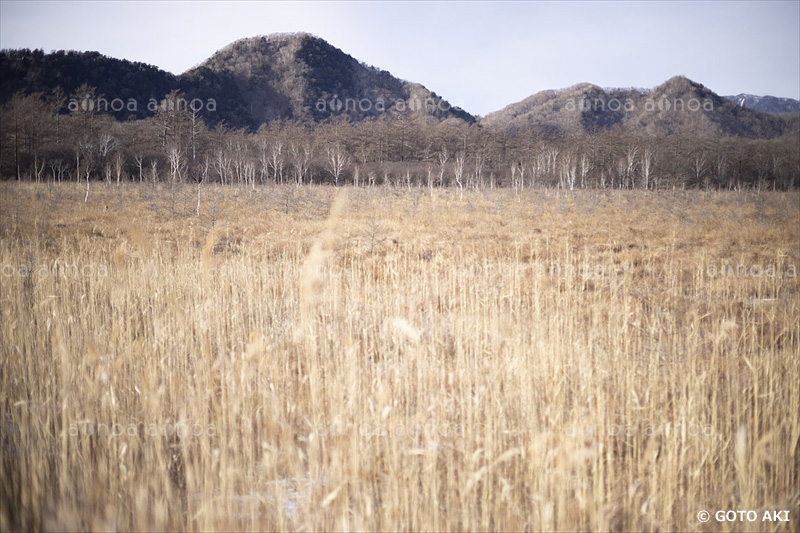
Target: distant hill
766 104
252 82
679 105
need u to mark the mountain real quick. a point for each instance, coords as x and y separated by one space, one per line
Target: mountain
300 76
125 89
251 82
678 106
34 71
766 104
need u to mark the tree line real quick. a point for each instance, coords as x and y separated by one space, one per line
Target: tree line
58 137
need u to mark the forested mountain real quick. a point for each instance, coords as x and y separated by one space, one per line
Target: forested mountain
290 108
766 104
251 82
33 71
302 77
678 106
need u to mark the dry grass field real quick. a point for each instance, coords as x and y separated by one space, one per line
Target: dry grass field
322 359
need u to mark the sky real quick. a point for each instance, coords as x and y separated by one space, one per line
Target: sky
480 56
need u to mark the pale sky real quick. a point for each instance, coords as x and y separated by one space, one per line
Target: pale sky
478 55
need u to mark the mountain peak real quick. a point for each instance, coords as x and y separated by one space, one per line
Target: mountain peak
277 39
678 84
679 105
303 77
680 78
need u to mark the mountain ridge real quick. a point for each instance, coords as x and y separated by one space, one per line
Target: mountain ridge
253 81
677 105
301 77
766 103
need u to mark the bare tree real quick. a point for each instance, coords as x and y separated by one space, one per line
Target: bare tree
263 160
57 169
443 158
336 161
721 164
239 161
479 160
569 171
249 174
154 171
699 167
308 156
139 160
105 146
195 121
86 149
586 166
222 165
171 115
630 165
177 164
276 161
301 160
458 171
646 163
551 161
38 167
622 168
119 165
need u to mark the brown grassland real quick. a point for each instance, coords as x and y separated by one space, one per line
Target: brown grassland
328 359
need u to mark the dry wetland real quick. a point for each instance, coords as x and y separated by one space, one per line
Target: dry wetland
326 358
